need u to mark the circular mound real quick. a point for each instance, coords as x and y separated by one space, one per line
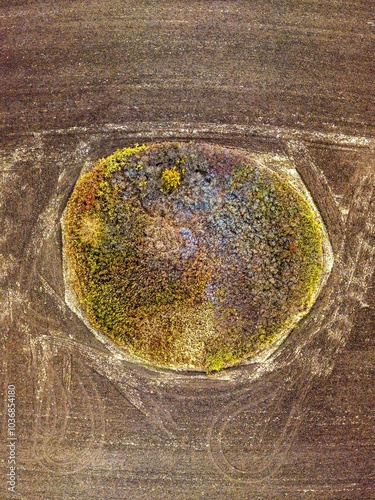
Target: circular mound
191 256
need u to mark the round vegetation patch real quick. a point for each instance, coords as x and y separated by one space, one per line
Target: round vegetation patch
191 256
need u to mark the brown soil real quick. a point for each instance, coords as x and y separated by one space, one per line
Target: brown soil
81 79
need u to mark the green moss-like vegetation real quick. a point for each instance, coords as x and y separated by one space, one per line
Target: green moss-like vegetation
202 278
220 360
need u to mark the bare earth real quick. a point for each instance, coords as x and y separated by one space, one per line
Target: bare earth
81 79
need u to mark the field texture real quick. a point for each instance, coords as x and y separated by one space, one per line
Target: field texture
80 79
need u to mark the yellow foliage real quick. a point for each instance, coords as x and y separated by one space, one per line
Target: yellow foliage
171 178
91 230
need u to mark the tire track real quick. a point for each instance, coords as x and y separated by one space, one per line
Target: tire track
317 183
315 360
135 388
192 130
61 413
320 335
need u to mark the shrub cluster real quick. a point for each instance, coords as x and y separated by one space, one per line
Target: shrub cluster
190 256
